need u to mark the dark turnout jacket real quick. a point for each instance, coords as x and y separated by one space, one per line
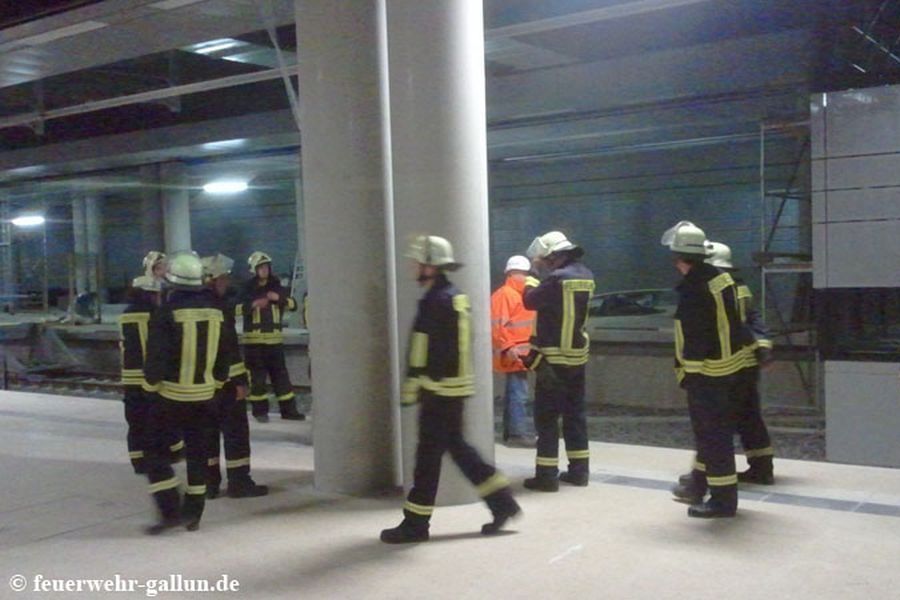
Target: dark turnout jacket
264 325
187 357
439 357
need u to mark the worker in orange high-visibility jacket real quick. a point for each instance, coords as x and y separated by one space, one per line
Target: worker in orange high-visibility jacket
511 328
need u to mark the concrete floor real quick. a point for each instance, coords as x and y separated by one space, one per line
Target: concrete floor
71 509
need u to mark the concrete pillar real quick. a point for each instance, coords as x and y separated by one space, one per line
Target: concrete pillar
151 211
93 244
439 156
300 285
79 237
346 197
176 207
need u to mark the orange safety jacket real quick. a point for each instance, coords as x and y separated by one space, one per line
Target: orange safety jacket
511 325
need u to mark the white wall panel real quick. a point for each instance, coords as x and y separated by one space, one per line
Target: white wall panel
863 254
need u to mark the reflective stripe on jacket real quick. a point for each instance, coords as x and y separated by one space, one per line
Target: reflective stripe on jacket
561 301
511 325
134 325
710 338
264 325
186 356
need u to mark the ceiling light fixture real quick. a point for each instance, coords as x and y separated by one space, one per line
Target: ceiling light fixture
225 187
28 221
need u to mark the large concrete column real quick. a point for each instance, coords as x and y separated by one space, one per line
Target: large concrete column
439 155
300 285
151 225
79 238
176 207
346 197
93 244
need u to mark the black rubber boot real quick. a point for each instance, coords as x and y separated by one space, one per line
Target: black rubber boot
721 504
542 484
260 410
289 411
693 490
192 510
212 492
546 479
407 532
246 488
504 507
162 525
761 471
578 478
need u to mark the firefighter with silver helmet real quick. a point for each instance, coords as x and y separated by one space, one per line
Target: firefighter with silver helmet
262 307
143 301
712 347
559 352
187 361
439 377
230 414
751 427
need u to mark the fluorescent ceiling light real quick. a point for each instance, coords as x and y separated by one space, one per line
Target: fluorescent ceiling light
28 221
225 187
62 32
172 4
216 46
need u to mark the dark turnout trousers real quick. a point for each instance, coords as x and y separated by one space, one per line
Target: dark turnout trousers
230 420
440 431
714 404
266 362
750 425
559 392
137 416
193 420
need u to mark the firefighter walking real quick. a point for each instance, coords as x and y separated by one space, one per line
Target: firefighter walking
712 347
186 362
439 377
230 405
560 348
262 307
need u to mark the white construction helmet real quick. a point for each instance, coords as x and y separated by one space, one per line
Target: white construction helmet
685 238
719 255
517 263
153 258
184 269
216 266
550 243
432 250
258 258
147 283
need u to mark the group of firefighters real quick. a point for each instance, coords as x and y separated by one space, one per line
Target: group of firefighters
186 382
185 379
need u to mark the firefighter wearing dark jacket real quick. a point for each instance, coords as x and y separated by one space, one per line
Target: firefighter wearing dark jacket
439 376
230 414
262 305
750 426
144 298
186 363
712 347
560 348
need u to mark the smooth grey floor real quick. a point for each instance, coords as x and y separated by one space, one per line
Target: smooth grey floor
71 509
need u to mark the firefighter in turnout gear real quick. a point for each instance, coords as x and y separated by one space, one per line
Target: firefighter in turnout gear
144 299
559 352
263 303
751 427
187 361
511 327
439 377
712 347
230 405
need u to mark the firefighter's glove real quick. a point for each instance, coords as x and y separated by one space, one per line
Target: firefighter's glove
763 356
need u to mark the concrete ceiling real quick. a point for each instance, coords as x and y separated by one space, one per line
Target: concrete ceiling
566 80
